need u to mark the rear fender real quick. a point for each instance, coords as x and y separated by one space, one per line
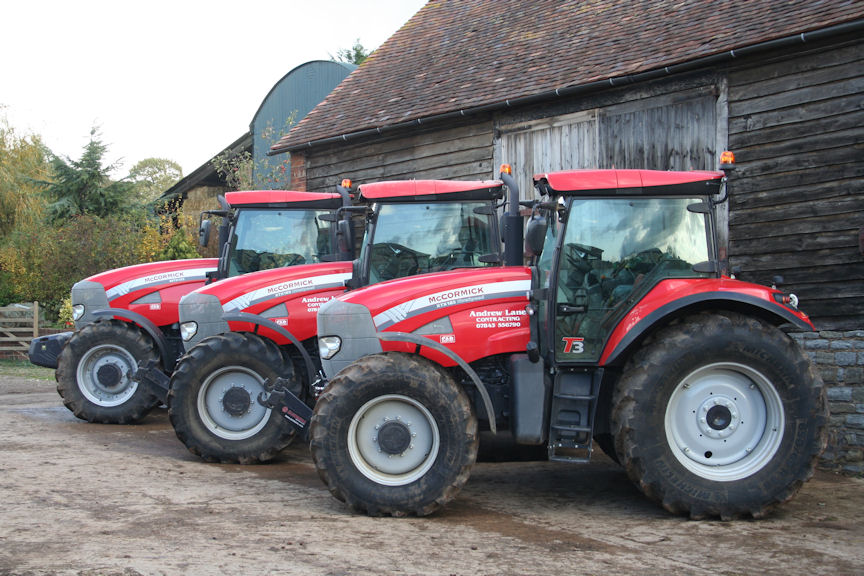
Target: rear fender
620 342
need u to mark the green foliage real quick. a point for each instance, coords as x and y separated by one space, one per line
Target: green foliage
92 224
153 176
84 187
271 172
44 262
23 165
354 55
64 315
235 169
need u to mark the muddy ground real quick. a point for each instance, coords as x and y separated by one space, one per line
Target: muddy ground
86 499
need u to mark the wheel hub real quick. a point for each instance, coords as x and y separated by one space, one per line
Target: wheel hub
236 401
394 437
717 417
393 440
109 375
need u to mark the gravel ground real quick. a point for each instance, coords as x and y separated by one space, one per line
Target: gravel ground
87 499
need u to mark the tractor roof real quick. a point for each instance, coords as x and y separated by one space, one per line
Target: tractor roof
283 199
629 182
426 190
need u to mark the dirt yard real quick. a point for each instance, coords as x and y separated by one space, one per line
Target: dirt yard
85 499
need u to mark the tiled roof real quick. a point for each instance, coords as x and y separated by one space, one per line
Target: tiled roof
462 54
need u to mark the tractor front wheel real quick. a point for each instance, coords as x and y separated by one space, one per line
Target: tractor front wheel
95 370
393 434
719 415
213 400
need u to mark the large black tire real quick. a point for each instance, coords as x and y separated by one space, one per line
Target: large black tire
95 369
719 414
393 434
213 399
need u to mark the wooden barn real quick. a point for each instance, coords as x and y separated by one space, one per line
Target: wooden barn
556 84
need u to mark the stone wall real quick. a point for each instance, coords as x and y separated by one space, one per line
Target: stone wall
839 357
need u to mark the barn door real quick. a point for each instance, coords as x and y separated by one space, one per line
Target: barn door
676 131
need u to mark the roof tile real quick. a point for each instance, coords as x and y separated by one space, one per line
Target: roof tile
459 54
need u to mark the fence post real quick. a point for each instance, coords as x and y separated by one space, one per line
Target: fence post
35 318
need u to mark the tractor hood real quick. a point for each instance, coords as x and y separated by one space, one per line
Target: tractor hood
474 313
153 288
290 297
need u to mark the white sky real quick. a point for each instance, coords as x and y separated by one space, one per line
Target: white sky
177 79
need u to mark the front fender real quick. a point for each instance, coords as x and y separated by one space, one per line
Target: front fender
165 355
257 321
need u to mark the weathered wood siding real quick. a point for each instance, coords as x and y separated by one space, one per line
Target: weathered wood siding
452 153
796 125
668 125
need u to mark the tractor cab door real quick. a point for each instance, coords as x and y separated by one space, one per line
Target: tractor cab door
609 253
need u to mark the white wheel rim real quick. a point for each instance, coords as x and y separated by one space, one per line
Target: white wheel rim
232 425
110 359
408 418
724 422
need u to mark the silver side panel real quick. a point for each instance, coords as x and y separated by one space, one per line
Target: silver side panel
353 323
92 296
206 310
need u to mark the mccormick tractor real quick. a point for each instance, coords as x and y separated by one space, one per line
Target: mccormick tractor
623 331
248 335
129 315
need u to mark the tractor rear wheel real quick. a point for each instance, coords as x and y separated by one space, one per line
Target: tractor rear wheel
213 400
720 415
393 434
95 369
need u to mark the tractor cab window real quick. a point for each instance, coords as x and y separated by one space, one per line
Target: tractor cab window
613 252
276 238
419 238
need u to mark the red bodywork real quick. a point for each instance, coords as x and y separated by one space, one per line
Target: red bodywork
596 180
273 198
302 289
487 309
171 279
414 189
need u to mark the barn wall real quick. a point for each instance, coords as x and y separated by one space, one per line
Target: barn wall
454 152
797 207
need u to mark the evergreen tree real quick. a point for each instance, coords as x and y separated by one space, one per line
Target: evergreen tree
84 186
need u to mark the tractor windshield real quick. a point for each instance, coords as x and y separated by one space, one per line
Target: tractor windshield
615 248
264 239
418 238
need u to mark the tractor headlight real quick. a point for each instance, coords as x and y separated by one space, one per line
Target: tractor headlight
328 346
77 312
188 330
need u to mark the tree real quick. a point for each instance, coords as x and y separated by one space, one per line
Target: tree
23 165
153 176
84 186
354 55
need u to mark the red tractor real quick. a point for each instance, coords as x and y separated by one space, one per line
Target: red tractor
248 335
129 315
623 331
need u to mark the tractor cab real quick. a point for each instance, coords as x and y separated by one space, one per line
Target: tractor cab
611 237
269 229
421 226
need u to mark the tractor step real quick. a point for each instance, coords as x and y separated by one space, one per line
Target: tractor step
571 423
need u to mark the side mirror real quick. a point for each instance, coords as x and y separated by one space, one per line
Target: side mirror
344 238
204 233
535 235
